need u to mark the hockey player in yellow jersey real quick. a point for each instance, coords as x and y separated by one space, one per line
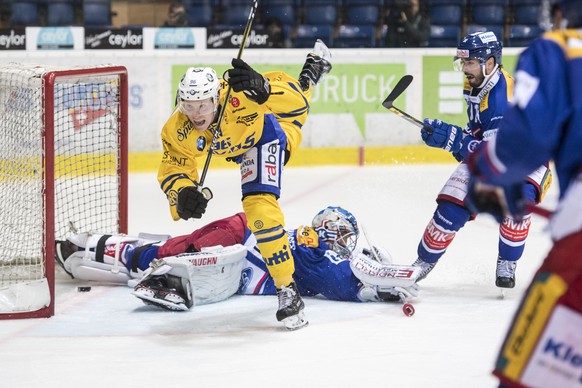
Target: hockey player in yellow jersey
260 130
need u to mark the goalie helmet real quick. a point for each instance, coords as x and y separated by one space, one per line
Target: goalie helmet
338 228
478 45
199 84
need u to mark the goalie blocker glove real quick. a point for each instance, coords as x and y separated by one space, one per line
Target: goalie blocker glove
192 202
242 78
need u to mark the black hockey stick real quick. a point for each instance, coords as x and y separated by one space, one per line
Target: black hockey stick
396 92
228 90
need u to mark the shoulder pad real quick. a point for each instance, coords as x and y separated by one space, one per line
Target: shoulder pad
307 236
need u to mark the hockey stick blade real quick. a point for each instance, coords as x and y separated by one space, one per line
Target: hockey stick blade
397 91
394 94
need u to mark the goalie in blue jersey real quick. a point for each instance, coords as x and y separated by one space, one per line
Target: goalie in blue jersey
222 258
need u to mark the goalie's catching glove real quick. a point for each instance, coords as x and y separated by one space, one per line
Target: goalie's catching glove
192 202
242 78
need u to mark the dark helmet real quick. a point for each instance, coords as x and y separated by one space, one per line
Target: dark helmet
480 45
572 11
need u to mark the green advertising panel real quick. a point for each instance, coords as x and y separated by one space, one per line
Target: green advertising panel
359 88
349 88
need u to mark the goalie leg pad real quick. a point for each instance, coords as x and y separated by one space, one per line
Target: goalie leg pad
205 277
82 265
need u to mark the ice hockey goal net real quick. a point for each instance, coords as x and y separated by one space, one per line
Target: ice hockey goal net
63 167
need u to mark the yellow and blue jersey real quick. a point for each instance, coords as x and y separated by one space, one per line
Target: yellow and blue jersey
486 106
240 130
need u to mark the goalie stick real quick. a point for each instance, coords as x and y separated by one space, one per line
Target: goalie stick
407 308
396 92
246 33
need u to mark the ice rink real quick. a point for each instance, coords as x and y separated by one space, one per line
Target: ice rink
108 338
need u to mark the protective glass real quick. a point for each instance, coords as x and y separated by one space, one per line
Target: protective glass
201 107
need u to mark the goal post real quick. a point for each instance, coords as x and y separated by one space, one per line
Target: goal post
63 168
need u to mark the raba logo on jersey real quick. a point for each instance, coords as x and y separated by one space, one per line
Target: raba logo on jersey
174 38
55 38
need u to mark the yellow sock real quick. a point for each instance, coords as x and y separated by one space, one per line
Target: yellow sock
265 219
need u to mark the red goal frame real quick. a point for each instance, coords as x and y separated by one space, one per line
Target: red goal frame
48 88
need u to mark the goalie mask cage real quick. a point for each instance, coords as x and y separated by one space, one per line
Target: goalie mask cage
63 168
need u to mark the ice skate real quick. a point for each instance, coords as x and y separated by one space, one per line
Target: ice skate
425 268
155 291
291 306
505 274
316 65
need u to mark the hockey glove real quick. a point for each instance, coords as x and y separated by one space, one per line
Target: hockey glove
467 146
242 78
439 134
192 202
499 201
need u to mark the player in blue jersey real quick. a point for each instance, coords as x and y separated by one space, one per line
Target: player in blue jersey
486 91
543 347
191 272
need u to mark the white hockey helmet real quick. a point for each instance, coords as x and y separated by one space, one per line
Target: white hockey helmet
338 228
199 83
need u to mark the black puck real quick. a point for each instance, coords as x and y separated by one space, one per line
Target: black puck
84 289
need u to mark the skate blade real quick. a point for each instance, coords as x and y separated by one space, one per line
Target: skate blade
502 293
295 322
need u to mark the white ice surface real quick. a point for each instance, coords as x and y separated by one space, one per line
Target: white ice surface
108 338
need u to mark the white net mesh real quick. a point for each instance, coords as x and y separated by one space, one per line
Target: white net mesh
86 163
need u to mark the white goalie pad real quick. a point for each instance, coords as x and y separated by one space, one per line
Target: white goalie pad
207 277
89 240
375 273
82 265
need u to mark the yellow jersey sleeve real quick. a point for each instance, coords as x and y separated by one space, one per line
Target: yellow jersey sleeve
178 167
290 104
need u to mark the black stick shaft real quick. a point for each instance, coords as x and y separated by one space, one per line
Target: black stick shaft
228 91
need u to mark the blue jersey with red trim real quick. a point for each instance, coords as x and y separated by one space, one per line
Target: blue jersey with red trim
544 121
